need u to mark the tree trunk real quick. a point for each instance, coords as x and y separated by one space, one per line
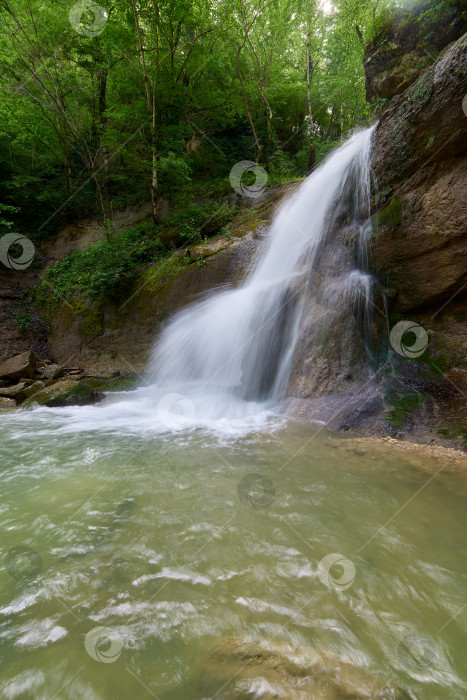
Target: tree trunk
151 105
245 103
309 71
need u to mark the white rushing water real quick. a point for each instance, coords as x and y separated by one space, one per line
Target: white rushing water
237 346
223 363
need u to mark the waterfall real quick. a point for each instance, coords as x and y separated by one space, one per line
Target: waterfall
237 346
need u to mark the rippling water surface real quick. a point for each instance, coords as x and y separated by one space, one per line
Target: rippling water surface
173 539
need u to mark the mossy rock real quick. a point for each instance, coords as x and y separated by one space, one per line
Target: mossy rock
111 384
391 215
402 407
92 320
67 393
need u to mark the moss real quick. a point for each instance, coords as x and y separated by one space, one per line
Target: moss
92 323
391 215
420 93
158 276
78 393
438 365
112 384
81 392
402 406
453 433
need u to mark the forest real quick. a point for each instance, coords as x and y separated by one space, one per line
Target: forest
102 108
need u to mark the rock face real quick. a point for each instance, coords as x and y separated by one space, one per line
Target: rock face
419 159
419 257
406 45
419 246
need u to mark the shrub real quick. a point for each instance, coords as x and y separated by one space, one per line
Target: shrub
174 173
102 270
197 221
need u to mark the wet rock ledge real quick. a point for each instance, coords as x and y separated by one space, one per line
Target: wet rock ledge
24 381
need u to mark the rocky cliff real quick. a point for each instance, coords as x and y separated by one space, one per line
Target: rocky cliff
407 42
418 255
419 247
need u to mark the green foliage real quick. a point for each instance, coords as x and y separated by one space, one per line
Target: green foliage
24 312
175 173
379 104
197 221
78 139
6 224
23 320
104 269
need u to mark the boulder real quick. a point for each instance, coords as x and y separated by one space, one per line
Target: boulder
23 365
52 372
67 392
7 403
29 391
12 392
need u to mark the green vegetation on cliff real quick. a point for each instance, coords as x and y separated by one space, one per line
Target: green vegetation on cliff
102 269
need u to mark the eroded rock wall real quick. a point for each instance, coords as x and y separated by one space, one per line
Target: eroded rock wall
418 255
407 43
419 158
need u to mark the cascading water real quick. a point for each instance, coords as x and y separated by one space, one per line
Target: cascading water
226 362
237 346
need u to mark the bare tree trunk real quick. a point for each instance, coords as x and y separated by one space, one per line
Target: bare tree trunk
309 72
151 105
246 30
245 102
261 94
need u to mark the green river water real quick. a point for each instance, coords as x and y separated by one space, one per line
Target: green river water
174 540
